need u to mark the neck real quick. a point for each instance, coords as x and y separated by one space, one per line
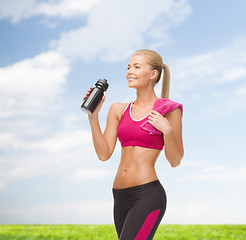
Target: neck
145 97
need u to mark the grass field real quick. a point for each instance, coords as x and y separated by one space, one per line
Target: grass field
107 232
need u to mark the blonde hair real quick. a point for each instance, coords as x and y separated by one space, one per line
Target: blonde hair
156 62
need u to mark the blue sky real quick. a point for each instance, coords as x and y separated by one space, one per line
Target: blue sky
51 52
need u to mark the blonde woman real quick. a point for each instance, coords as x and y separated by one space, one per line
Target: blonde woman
142 127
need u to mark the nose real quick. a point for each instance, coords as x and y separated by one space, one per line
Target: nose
130 70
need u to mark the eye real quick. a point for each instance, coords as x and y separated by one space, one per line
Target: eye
137 67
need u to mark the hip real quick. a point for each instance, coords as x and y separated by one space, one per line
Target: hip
140 191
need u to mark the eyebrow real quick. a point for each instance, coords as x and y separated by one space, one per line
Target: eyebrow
135 64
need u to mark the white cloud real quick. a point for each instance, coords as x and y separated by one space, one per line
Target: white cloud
83 212
2 186
222 66
65 8
30 84
237 99
215 168
85 173
66 141
60 141
217 173
65 151
205 212
122 26
180 7
214 81
189 163
9 140
18 10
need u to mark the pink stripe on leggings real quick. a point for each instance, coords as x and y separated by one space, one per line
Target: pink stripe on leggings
148 225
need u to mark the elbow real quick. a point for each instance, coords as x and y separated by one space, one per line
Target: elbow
104 155
177 162
104 158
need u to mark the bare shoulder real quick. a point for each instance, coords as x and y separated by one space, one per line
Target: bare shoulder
175 113
117 109
174 117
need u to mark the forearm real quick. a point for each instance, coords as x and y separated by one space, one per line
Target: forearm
173 153
99 141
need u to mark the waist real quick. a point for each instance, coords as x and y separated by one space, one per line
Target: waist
132 176
138 189
137 166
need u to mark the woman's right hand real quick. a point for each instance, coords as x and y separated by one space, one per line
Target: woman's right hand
97 109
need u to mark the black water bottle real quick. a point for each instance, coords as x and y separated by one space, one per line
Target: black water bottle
95 96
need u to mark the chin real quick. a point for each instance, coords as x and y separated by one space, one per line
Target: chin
131 85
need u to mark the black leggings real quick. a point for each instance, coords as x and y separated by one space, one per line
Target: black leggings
138 210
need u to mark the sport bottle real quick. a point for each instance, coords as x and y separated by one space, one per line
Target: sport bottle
95 96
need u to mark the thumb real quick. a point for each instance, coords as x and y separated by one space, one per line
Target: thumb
102 101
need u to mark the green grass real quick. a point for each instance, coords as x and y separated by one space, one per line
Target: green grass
107 232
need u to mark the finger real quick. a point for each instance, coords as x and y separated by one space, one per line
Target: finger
89 90
151 114
155 112
151 122
151 119
87 93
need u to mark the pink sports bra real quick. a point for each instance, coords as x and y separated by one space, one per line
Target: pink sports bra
141 133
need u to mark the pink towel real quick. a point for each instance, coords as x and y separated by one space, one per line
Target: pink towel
162 106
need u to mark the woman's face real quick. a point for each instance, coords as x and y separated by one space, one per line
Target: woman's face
139 73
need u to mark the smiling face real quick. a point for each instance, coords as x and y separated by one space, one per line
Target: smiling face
139 73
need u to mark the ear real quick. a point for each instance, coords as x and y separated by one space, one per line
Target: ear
154 74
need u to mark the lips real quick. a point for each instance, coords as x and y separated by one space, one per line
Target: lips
131 79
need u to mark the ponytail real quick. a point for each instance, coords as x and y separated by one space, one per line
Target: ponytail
165 82
156 62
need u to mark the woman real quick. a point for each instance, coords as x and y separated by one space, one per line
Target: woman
142 126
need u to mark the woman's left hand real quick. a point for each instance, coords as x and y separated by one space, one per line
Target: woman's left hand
159 122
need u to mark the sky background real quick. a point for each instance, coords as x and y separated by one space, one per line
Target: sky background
52 51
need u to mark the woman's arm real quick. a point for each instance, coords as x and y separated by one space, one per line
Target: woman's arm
104 144
174 150
171 126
